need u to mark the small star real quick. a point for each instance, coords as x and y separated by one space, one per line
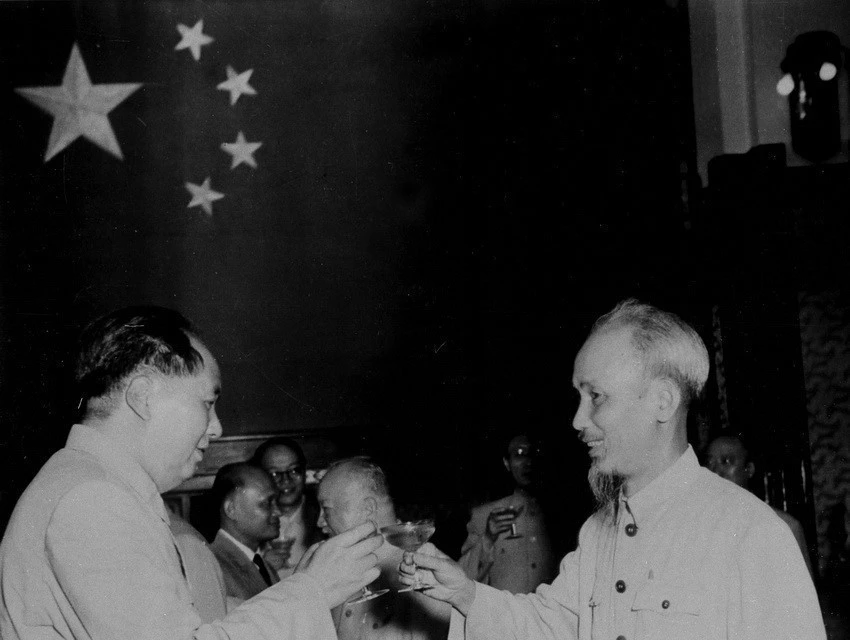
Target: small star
203 196
193 39
242 151
79 108
237 84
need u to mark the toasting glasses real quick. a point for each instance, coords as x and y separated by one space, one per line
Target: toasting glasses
409 536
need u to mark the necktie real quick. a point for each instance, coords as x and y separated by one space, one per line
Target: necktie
262 567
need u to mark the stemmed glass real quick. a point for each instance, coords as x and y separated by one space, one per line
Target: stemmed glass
410 536
366 594
514 511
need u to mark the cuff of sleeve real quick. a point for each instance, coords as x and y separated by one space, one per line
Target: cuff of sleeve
309 586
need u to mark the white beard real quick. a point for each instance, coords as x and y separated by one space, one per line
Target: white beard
606 489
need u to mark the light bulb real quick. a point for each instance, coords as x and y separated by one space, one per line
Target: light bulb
785 85
827 71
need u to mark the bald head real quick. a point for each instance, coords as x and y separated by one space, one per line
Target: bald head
354 491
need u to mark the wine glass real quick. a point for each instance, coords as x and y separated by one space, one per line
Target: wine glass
366 594
514 511
409 536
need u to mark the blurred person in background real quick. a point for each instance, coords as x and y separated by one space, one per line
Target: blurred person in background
728 457
508 545
284 460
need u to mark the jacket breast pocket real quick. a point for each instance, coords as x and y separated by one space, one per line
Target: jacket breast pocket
670 610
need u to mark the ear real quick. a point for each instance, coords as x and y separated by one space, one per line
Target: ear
507 464
667 398
228 507
137 396
370 506
749 469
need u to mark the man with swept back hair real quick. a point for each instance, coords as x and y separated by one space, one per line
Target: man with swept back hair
673 551
88 553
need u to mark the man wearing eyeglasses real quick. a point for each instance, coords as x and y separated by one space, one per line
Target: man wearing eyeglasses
508 546
284 460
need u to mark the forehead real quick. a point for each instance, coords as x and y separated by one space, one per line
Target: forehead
519 442
280 457
257 483
209 370
607 357
335 485
726 446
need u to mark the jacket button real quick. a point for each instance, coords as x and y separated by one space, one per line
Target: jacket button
620 586
621 637
665 604
631 530
533 565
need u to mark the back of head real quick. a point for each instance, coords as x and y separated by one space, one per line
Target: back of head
668 346
118 344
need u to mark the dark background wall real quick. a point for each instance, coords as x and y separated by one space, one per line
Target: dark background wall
447 195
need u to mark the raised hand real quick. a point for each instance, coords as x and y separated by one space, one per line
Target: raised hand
443 577
344 564
499 521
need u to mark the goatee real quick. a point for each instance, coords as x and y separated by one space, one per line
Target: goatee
606 489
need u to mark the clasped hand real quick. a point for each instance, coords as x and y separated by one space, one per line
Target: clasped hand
443 577
345 563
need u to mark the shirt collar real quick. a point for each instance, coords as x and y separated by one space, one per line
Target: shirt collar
243 548
670 483
116 458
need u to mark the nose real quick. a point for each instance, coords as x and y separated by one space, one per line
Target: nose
276 512
581 419
321 523
214 429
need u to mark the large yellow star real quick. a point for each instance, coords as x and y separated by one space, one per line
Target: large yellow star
79 108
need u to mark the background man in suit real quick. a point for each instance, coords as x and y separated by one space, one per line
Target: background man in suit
248 517
283 458
354 491
491 553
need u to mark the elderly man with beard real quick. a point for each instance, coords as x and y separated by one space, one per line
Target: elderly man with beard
673 551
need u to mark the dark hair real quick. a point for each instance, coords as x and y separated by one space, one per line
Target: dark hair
115 345
229 478
278 441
